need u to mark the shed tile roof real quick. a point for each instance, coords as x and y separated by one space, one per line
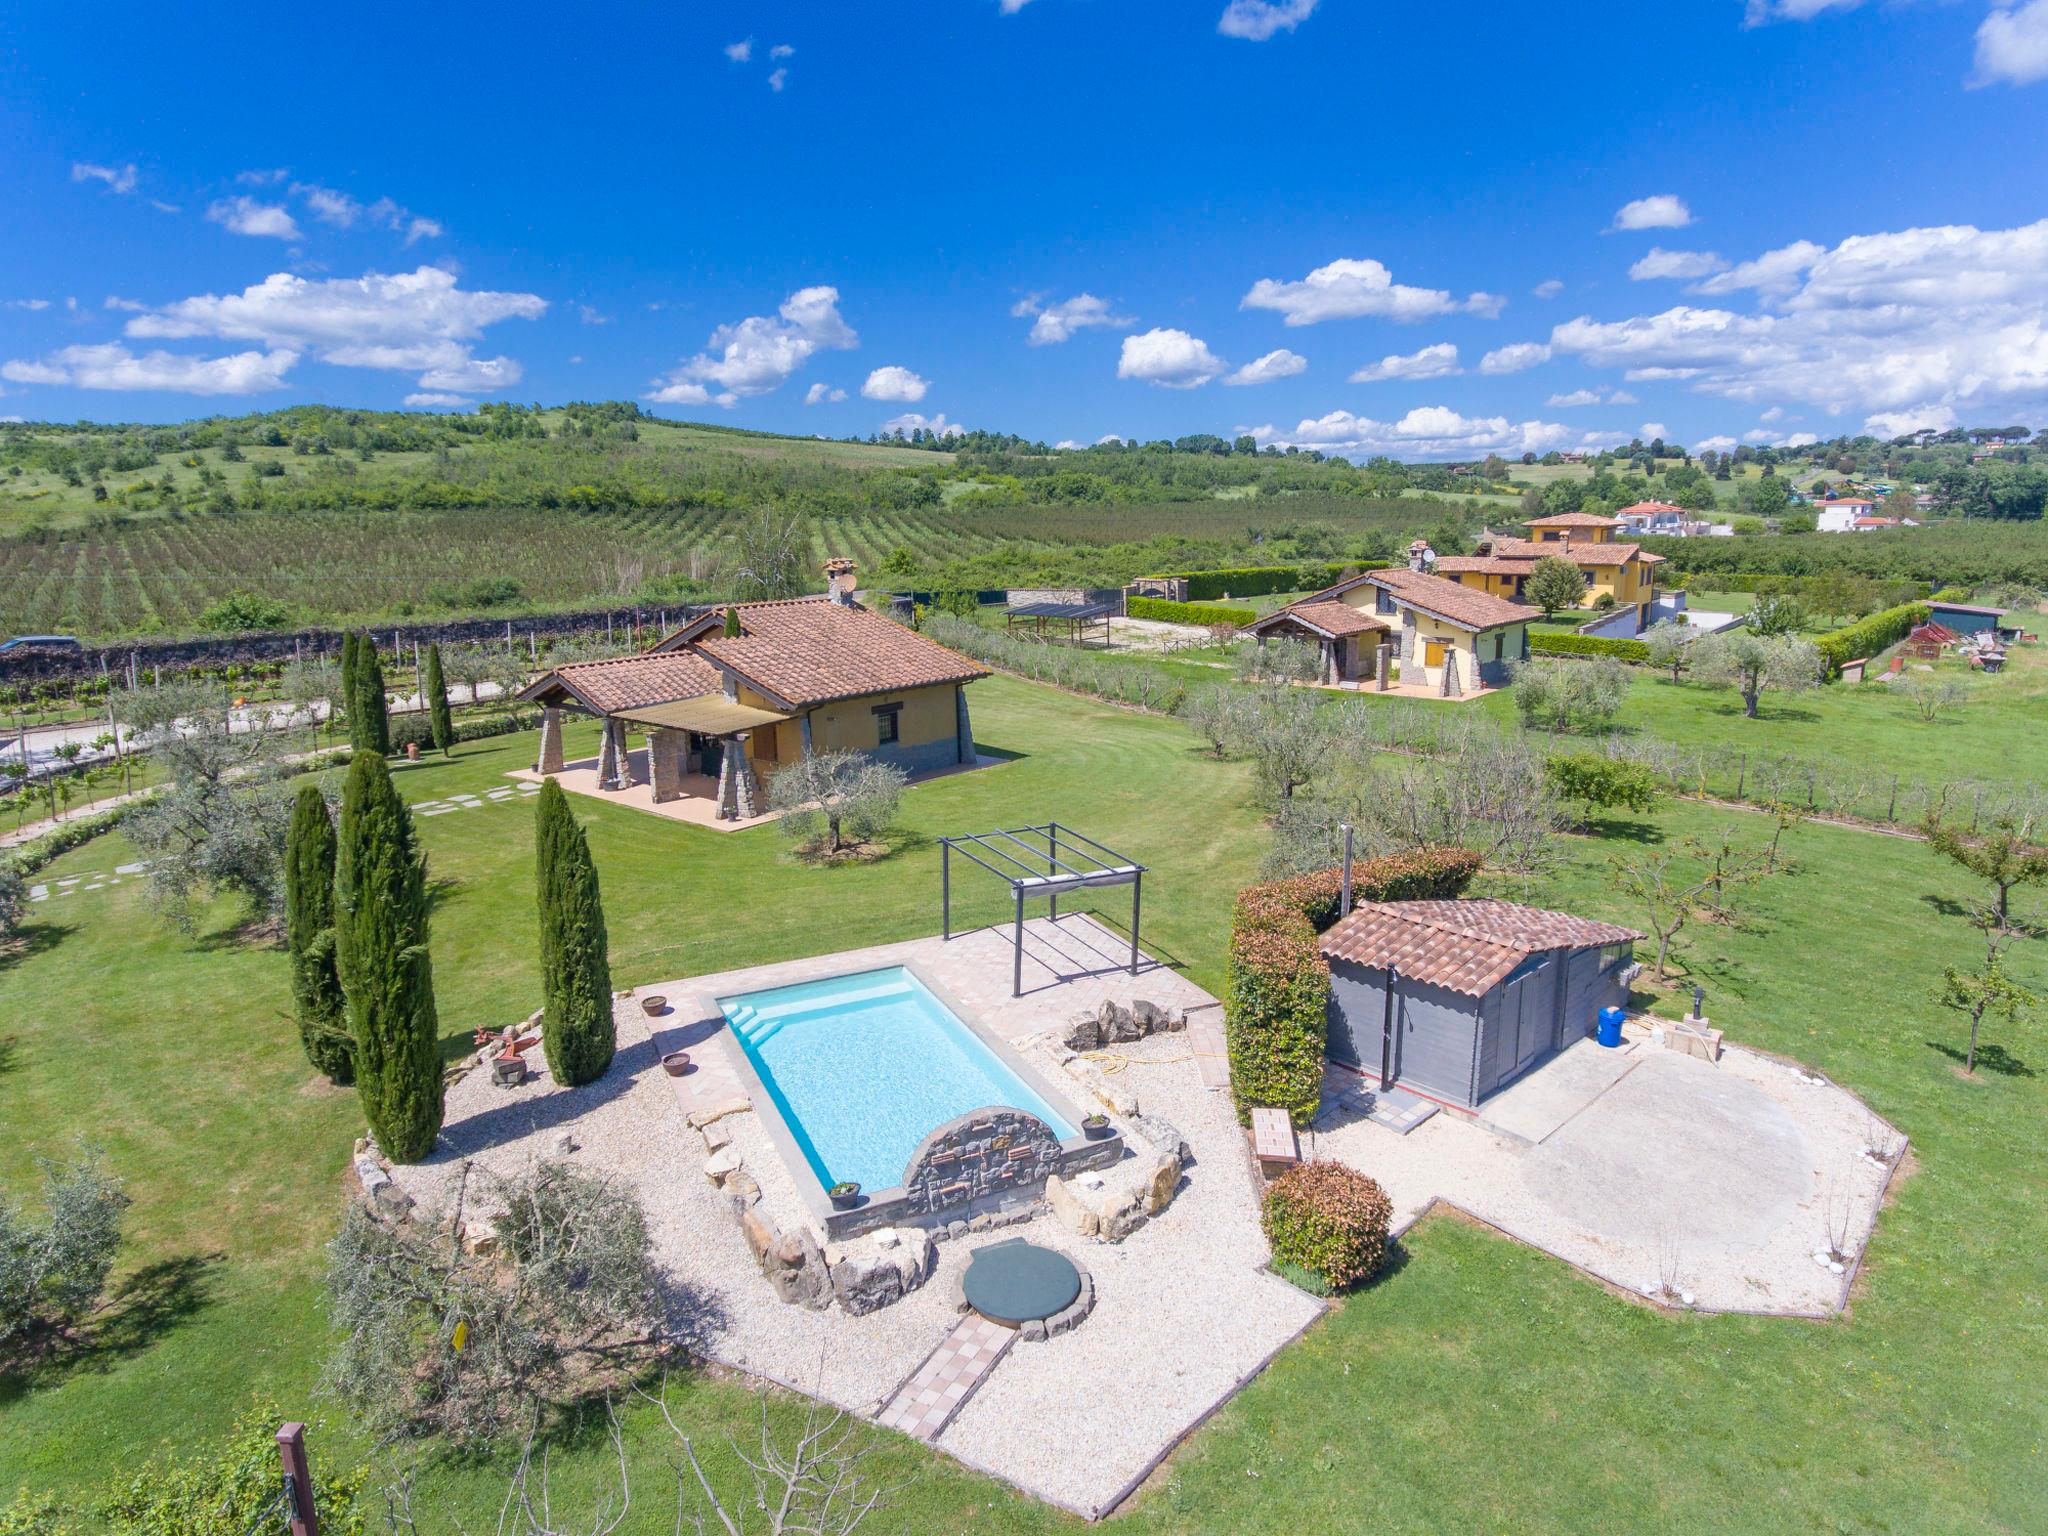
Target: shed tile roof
629 682
1329 616
1466 946
1451 600
809 652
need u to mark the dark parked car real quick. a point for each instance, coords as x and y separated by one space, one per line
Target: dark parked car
42 643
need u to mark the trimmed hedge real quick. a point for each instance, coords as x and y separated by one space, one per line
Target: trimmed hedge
1187 613
28 857
1258 580
1866 637
1278 986
418 727
1544 644
1330 1220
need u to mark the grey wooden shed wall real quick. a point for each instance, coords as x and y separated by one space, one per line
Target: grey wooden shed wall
1461 1048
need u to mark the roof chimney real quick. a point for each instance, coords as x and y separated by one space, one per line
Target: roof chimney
1420 555
839 580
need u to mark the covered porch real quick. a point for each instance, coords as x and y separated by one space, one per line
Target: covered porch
701 758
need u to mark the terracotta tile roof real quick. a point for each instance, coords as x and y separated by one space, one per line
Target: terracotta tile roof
1578 554
629 682
1585 519
1331 617
1647 508
1452 600
1466 946
809 651
1490 565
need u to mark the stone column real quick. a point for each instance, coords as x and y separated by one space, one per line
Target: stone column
550 741
665 763
1383 665
738 793
612 772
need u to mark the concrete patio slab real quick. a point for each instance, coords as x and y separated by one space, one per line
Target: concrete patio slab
1550 1096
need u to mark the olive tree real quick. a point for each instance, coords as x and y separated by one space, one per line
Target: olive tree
1564 695
1288 735
831 798
1217 714
1284 660
54 1271
1755 664
1555 583
1667 644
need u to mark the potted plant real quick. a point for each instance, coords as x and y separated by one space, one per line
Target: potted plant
654 1007
1095 1127
676 1063
845 1195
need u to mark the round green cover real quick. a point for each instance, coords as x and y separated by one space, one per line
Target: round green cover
1015 1282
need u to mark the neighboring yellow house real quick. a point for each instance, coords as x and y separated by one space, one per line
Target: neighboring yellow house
1501 567
1447 638
804 675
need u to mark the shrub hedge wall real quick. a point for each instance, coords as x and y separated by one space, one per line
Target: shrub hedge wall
1866 637
1278 986
1543 644
1258 580
1187 613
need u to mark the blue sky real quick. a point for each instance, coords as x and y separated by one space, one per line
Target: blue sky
1431 231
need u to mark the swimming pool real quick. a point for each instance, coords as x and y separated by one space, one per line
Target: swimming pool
863 1068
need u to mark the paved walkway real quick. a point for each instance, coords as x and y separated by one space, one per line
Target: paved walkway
939 1388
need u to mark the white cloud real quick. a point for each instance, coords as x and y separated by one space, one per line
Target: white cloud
1429 431
823 394
1713 445
1282 364
590 314
782 51
1432 362
777 79
1799 440
1664 211
1170 358
1890 424
1107 437
1621 397
1660 263
1757 12
328 205
1352 288
109 365
1773 274
31 304
268 178
910 421
2012 45
898 385
1652 429
757 355
119 178
1069 445
430 399
1950 315
1775 413
1058 319
1575 397
1012 7
1549 288
1257 20
245 216
415 322
1514 357
740 52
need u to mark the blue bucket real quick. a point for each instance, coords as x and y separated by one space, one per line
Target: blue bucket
1610 1026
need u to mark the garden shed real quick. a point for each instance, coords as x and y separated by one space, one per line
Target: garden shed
1965 618
1455 999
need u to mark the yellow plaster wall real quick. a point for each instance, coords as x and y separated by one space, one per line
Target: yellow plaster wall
929 714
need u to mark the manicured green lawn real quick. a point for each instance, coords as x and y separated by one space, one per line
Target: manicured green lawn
1478 1386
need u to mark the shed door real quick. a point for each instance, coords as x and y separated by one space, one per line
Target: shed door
1528 1014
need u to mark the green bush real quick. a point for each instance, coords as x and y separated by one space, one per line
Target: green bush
1866 637
1543 644
65 836
1187 613
1258 580
1330 1220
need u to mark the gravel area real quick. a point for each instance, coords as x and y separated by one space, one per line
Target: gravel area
1185 1312
1722 1179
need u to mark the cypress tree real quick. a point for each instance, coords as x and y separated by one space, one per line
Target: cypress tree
309 937
351 689
437 701
380 929
376 721
575 959
732 623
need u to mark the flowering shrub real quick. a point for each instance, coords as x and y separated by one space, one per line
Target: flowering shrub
1330 1220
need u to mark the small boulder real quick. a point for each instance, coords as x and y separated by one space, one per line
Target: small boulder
565 1144
1150 1017
1072 1209
1163 1135
1084 1034
866 1282
722 1164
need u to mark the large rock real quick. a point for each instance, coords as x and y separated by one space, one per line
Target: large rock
1084 1034
1118 1024
1150 1018
1073 1212
796 1269
742 1189
1162 1135
723 1164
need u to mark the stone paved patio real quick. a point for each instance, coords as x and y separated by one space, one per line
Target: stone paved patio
1185 1312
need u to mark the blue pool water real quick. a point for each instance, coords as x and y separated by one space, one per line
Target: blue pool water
864 1067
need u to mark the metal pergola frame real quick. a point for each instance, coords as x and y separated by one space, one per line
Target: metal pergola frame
1069 861
1080 620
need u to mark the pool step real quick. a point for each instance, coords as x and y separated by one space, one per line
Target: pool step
757 1025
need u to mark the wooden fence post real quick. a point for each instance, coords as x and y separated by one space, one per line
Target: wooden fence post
301 1517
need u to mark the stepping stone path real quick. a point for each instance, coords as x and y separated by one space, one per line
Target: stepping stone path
91 880
468 802
937 1390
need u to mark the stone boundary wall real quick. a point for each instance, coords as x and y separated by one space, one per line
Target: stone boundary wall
35 664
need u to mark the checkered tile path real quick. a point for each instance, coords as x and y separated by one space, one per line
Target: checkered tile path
926 1403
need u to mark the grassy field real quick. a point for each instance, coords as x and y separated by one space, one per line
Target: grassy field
1478 1385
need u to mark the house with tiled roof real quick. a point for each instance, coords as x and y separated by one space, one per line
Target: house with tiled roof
799 676
1409 629
1454 1000
1612 568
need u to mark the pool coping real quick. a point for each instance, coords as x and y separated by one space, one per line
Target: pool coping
890 1207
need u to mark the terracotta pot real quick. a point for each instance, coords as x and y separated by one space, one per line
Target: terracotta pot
676 1063
412 751
1095 1128
844 1196
654 1007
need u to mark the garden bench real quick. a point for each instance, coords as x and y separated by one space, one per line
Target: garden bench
1273 1142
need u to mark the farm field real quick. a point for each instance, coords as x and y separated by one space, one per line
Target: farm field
1423 1386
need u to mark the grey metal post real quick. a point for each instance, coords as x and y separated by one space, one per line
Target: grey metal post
945 888
1052 841
1345 828
1137 895
1017 960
